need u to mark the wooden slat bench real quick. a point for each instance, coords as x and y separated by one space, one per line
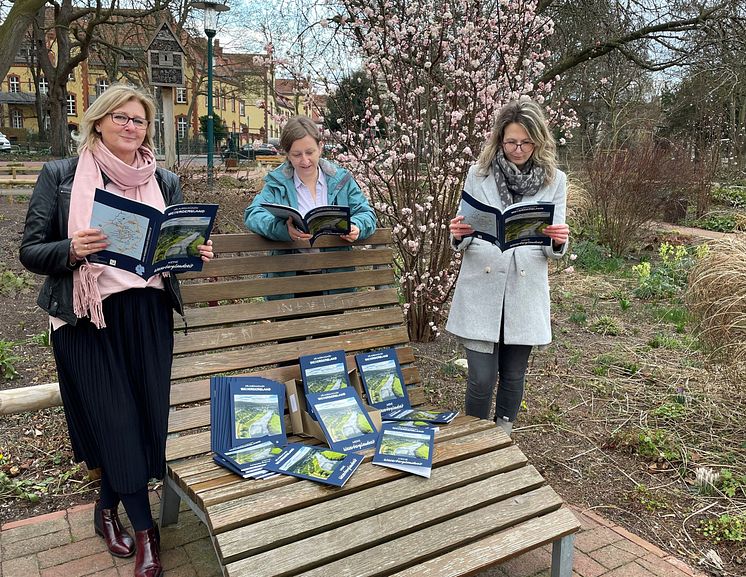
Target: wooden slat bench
483 504
19 174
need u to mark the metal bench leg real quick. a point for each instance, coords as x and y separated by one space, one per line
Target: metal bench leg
170 501
562 551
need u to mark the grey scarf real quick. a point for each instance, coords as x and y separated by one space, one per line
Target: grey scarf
513 183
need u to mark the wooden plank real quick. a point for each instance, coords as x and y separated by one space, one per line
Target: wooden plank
287 556
499 547
256 333
420 545
270 310
261 263
187 445
213 489
247 242
192 366
297 526
197 391
260 287
240 511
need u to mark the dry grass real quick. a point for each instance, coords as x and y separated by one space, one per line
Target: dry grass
717 298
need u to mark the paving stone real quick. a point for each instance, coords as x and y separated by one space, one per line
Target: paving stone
635 547
597 538
528 564
80 567
33 520
203 558
174 558
36 544
32 530
659 567
65 553
584 566
636 539
630 570
22 567
612 556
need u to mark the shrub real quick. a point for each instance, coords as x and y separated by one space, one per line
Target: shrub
715 297
669 276
628 187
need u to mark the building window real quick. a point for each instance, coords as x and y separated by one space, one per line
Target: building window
47 122
233 104
224 99
43 86
181 96
182 126
14 84
72 107
241 108
16 119
101 85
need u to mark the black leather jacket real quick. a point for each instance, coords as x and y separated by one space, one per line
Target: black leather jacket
45 248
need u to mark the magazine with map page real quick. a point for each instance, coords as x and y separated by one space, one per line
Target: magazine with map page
383 380
405 448
145 241
519 225
345 422
316 463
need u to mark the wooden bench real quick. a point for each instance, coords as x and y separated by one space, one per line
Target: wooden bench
270 161
10 174
484 503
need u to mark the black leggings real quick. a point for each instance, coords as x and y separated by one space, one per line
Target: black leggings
510 363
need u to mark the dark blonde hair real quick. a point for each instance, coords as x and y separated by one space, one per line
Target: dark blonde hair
111 99
530 116
296 128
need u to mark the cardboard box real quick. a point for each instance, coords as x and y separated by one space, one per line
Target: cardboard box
303 424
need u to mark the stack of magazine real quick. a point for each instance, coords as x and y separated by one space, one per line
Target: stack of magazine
248 424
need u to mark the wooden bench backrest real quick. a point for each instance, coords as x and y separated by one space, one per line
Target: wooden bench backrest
232 329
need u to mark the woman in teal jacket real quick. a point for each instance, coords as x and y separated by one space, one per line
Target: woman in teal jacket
304 181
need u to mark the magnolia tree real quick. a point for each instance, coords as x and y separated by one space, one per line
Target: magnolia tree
438 71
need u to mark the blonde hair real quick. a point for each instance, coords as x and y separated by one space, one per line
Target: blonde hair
530 116
111 99
296 128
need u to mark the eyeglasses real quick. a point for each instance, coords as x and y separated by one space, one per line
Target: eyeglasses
122 119
512 145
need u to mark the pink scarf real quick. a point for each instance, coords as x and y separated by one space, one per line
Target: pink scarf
136 181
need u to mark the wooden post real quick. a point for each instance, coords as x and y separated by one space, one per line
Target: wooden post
169 130
29 398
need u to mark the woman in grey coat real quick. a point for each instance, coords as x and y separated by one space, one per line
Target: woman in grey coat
500 306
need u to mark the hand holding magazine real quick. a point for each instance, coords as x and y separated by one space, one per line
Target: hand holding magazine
145 241
519 225
321 220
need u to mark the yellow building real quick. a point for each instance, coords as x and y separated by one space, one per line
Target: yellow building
241 84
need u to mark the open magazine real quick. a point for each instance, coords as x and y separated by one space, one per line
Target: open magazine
145 241
519 225
317 221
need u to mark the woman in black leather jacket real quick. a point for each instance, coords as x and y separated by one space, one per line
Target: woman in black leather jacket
111 330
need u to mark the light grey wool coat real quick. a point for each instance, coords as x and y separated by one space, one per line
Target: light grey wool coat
515 281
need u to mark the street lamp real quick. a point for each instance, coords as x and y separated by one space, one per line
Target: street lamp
212 9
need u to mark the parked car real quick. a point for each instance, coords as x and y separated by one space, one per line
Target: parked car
4 143
248 151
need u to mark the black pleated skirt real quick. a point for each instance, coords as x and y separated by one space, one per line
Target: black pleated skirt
115 385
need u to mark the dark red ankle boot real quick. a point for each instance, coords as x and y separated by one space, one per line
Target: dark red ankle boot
106 524
148 559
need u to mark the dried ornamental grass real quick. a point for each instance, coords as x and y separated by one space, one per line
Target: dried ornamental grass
716 297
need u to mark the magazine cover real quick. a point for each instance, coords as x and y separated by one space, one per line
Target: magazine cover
316 463
441 417
257 408
324 372
343 418
405 448
520 224
383 381
146 241
249 460
320 220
